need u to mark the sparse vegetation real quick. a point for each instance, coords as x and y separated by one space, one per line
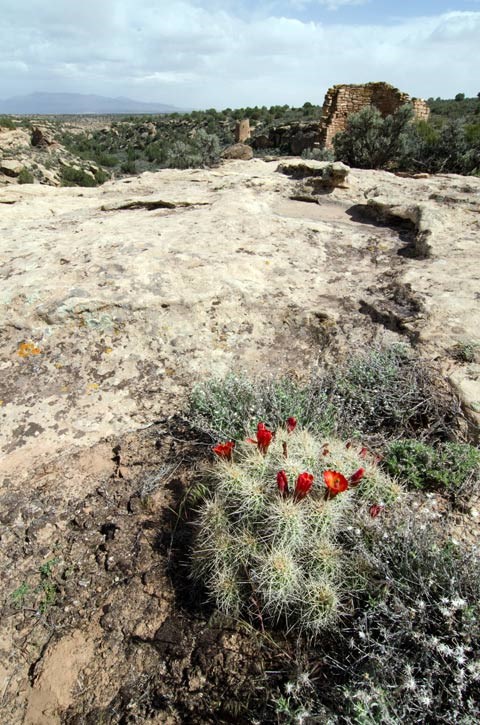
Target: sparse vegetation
410 652
7 122
80 177
450 467
25 177
442 145
384 394
407 647
466 352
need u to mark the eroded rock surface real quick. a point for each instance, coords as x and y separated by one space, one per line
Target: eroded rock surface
107 318
113 302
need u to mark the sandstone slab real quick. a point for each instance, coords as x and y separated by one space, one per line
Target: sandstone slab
107 319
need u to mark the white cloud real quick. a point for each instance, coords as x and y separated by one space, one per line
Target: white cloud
330 4
203 53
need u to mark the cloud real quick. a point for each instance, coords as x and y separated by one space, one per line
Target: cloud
330 4
203 53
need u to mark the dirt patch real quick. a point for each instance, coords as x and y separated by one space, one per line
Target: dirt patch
100 620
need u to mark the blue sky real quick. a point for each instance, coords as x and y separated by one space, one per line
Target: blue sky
203 53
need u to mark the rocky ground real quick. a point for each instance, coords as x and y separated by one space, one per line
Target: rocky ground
108 315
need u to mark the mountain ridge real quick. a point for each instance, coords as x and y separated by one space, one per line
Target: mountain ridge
42 103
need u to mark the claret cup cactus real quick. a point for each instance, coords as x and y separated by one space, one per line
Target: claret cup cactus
269 533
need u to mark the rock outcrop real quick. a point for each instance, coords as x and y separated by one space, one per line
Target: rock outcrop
107 317
292 138
43 138
239 151
318 175
10 167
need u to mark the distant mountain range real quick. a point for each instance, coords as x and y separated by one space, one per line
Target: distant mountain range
76 103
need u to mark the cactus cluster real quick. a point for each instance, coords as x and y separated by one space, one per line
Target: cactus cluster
268 543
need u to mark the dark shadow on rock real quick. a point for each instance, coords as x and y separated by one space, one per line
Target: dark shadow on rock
404 228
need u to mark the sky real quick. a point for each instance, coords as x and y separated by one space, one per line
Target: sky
232 53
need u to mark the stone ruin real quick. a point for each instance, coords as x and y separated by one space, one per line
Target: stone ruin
340 102
343 100
242 130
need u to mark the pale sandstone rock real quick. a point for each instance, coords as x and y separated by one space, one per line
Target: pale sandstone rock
10 167
42 137
122 311
239 151
320 174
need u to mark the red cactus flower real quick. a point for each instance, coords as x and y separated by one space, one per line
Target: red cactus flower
374 510
263 439
303 485
291 424
363 452
224 450
335 482
282 483
356 477
348 445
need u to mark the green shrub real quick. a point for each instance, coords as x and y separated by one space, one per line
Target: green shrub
229 406
129 167
388 393
25 177
318 154
450 467
467 352
6 122
371 141
101 176
259 542
76 177
105 159
383 394
411 651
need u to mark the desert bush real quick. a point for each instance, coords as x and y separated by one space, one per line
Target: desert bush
268 542
105 159
411 651
318 154
7 122
79 177
382 394
76 177
467 351
450 467
371 141
388 393
25 177
449 150
230 405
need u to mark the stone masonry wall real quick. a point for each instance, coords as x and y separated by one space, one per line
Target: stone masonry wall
342 100
242 130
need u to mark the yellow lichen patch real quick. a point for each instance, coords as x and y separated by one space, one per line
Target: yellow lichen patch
91 387
108 350
25 349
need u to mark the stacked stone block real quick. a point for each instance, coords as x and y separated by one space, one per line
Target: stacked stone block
242 130
343 100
